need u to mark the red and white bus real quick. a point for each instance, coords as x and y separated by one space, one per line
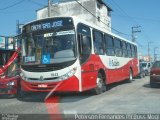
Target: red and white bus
75 53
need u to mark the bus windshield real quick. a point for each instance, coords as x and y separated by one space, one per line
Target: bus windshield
49 48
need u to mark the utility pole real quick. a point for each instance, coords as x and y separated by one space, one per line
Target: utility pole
17 40
49 7
149 42
135 30
18 27
155 55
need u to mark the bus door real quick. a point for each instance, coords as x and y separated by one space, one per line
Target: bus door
84 45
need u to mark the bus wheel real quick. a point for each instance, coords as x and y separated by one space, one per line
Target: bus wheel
100 85
130 76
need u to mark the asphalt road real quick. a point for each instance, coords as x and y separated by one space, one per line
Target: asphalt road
121 98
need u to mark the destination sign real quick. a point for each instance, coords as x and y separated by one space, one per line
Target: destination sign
46 24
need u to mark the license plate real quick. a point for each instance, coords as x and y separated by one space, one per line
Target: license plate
42 86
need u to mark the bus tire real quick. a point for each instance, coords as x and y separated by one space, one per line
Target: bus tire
130 79
101 87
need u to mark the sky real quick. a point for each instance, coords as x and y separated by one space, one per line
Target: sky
145 13
126 14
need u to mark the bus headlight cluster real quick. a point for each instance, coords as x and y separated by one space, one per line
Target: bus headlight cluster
69 74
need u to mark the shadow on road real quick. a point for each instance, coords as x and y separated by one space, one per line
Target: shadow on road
74 97
111 86
147 86
33 97
7 96
68 97
40 97
156 86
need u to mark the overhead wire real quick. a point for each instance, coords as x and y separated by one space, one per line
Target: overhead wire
132 18
100 20
10 6
126 16
37 3
140 18
125 12
118 32
19 2
40 4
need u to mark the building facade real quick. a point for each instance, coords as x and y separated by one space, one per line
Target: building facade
94 11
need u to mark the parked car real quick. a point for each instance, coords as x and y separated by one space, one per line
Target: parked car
155 74
142 71
9 72
147 67
9 84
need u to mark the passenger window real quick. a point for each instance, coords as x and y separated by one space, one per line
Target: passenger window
109 46
118 47
135 49
124 48
98 43
129 50
86 45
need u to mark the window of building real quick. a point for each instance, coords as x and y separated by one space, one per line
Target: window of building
109 13
99 5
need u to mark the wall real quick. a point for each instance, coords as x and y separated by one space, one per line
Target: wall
72 8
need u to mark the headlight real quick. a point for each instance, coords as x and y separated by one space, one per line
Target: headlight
11 83
69 74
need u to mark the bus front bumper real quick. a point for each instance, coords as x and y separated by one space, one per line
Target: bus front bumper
69 85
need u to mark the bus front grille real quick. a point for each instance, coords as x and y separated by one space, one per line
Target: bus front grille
45 79
37 68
